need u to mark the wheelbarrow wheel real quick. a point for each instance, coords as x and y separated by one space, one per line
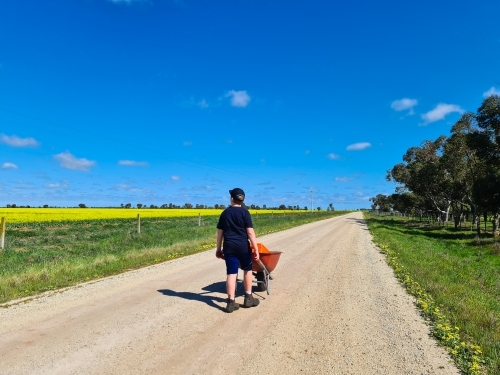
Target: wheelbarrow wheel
261 285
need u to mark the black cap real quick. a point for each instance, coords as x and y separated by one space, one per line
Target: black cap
237 194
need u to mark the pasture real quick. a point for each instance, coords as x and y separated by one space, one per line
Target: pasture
47 255
455 278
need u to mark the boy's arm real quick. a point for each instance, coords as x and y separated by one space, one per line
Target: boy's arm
218 250
253 241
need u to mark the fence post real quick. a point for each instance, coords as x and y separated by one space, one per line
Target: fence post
139 223
272 215
2 230
199 219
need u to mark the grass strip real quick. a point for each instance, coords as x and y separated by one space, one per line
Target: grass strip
454 277
45 256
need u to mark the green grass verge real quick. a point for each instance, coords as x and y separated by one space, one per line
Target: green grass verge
455 278
45 256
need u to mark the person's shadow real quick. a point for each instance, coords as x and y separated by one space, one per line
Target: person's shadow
205 297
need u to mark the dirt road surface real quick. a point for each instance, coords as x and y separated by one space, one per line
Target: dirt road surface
334 308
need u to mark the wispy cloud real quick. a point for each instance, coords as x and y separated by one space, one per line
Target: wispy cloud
15 141
57 185
201 188
307 152
490 92
333 156
175 178
239 98
404 104
203 104
9 166
358 146
343 179
187 143
440 112
68 161
133 163
123 186
131 189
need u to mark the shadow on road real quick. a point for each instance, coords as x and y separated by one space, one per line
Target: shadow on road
218 287
361 222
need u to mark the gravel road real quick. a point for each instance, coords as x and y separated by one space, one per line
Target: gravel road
334 308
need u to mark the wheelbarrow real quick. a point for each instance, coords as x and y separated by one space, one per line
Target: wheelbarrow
262 268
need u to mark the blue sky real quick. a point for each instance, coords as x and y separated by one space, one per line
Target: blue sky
171 101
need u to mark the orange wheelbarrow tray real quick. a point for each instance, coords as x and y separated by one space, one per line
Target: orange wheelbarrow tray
262 268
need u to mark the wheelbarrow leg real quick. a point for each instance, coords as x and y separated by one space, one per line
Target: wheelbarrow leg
261 281
267 276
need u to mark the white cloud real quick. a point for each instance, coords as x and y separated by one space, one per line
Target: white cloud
131 189
201 188
343 179
404 104
69 161
203 104
187 143
333 156
57 185
9 166
490 92
175 178
15 141
133 163
358 146
239 98
307 152
440 112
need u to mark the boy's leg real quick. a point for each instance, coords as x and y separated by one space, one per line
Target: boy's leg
247 282
231 285
232 275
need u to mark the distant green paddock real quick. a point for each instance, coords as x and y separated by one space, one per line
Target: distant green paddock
41 256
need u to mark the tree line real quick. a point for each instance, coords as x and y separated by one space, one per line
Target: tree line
219 206
190 206
455 176
222 206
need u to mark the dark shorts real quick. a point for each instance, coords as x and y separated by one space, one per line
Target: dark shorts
233 261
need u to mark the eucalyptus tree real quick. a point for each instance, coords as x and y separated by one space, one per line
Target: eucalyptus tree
485 141
463 167
381 203
408 203
424 174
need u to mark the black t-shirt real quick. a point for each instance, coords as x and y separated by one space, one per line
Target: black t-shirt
234 222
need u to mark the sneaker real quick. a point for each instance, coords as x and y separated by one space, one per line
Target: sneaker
250 301
231 305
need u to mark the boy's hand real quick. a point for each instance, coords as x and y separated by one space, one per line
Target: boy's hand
256 256
219 254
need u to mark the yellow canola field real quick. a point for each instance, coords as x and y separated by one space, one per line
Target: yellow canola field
30 215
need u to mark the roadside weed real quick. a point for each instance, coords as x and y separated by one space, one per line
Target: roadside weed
455 280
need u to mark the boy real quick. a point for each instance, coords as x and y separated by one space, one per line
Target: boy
236 229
